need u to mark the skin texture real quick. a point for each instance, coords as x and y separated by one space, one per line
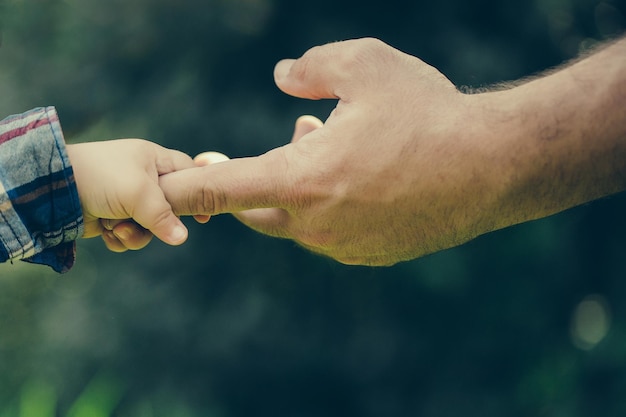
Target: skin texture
407 165
118 187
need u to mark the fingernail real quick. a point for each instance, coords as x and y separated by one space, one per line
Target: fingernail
122 233
178 235
209 158
281 70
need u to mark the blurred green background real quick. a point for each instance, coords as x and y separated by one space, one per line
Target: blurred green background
527 321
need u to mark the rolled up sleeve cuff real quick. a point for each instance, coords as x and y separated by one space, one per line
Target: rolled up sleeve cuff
39 203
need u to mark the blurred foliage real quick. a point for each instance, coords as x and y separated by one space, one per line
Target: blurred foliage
236 324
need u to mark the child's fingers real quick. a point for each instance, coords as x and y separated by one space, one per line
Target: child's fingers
109 224
132 235
169 160
153 212
112 243
122 235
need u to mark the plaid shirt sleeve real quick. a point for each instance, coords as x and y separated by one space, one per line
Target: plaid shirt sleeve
40 213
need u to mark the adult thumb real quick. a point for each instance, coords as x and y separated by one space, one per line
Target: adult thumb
335 70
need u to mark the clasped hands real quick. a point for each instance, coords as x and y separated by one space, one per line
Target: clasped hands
405 165
375 184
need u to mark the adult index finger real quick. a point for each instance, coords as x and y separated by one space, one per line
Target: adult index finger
230 186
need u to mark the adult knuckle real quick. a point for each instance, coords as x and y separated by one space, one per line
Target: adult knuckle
295 192
369 49
301 68
206 204
211 199
367 58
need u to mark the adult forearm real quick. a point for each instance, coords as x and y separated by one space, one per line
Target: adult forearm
563 136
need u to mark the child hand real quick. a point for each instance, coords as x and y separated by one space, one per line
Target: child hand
119 180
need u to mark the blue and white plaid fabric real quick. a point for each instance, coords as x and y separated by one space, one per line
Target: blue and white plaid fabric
40 213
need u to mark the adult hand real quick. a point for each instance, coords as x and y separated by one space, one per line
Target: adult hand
385 178
118 187
407 165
